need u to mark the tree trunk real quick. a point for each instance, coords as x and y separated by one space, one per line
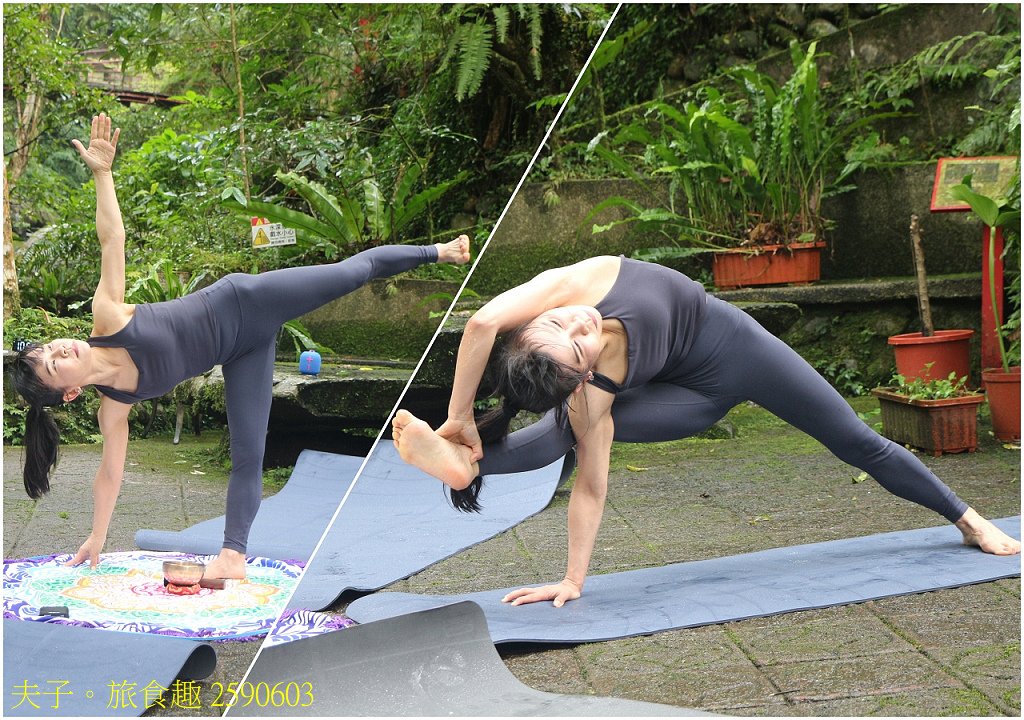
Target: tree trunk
241 99
12 297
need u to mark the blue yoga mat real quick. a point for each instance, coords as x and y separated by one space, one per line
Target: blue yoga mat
705 592
81 664
289 523
398 520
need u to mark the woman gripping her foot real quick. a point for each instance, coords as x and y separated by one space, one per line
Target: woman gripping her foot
618 349
138 352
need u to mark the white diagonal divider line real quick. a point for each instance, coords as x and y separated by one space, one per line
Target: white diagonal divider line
440 326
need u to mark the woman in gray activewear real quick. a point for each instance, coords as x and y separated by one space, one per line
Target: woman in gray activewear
617 349
139 352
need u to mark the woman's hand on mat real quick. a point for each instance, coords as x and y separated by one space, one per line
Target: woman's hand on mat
102 145
559 594
463 432
90 550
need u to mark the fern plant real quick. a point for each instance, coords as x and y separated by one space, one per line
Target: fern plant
478 29
363 215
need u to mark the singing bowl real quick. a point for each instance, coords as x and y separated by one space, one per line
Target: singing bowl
183 572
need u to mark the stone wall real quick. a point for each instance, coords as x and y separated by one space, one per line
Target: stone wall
870 238
386 319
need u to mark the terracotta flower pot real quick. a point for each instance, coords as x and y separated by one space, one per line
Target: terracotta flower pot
1003 391
949 425
948 351
772 265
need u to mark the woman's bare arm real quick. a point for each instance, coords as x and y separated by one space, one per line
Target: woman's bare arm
594 431
108 300
113 421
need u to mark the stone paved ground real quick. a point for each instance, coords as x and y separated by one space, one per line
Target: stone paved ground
949 652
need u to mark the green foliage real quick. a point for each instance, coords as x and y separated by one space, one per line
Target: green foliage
990 61
162 283
752 163
61 269
361 217
847 380
478 29
302 340
933 389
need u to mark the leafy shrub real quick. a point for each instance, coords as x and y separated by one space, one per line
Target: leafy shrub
932 389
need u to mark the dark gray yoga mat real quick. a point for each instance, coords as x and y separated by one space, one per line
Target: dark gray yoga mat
431 663
47 654
289 523
398 520
770 582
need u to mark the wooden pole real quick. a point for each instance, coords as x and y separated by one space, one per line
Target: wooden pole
923 304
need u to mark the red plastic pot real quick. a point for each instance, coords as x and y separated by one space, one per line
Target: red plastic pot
948 351
1003 391
771 265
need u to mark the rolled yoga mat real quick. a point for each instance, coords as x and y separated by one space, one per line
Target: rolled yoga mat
288 525
430 663
398 520
81 664
705 592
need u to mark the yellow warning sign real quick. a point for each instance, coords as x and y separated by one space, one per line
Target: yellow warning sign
260 238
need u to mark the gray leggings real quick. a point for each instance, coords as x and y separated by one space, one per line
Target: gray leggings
248 320
735 359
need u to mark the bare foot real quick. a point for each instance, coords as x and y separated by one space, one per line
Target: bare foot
229 565
456 251
980 532
422 448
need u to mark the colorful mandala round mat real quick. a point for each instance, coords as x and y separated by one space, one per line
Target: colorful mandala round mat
126 592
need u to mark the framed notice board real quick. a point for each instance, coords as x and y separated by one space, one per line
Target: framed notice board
989 176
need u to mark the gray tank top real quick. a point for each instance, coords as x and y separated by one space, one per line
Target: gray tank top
660 310
169 342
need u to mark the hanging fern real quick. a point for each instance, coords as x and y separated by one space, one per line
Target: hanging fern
475 42
531 14
501 22
477 30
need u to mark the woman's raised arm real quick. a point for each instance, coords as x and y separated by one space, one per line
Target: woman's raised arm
99 156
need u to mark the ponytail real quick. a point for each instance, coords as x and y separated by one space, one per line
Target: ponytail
527 379
42 436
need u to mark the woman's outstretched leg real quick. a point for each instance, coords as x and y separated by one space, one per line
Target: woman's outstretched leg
274 297
787 386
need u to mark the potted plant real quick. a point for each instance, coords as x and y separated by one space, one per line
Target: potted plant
753 165
939 415
929 353
1002 384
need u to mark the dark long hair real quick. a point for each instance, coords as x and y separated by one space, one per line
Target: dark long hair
526 378
42 437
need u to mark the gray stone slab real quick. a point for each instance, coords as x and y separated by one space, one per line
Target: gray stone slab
431 663
289 524
67 671
705 592
397 521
